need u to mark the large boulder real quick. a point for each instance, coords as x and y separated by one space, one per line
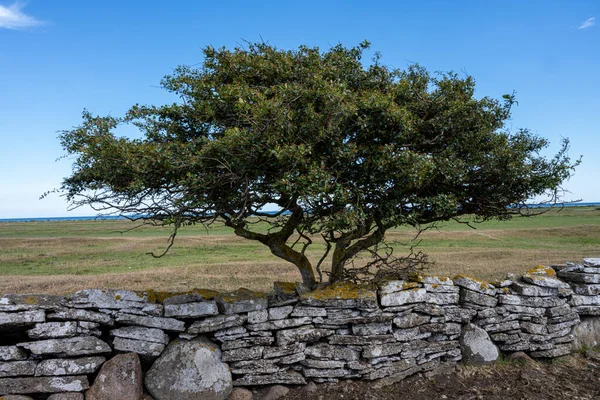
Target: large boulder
189 370
476 346
119 378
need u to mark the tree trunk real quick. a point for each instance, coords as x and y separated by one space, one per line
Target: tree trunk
285 252
337 263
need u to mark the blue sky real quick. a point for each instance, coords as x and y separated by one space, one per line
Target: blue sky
59 57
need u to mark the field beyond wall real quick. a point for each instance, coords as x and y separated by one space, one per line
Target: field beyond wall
61 257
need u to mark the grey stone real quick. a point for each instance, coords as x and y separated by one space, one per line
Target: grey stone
108 298
85 328
213 324
561 326
383 350
257 317
241 301
292 359
475 285
191 297
302 334
536 329
68 347
248 342
459 314
392 369
189 370
244 353
191 310
254 367
372 329
592 262
325 351
442 298
411 320
586 290
284 377
119 378
280 351
37 301
556 351
541 302
17 368
12 353
21 319
533 290
436 280
396 286
559 311
403 297
300 311
17 397
441 288
280 312
469 296
544 280
404 335
326 373
81 315
50 384
580 277
140 333
501 327
53 330
233 333
360 340
146 350
167 324
587 310
578 300
280 324
69 366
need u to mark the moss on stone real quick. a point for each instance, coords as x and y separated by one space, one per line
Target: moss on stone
342 290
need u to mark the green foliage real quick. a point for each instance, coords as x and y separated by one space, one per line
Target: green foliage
343 149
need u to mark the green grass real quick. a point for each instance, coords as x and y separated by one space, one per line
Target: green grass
75 250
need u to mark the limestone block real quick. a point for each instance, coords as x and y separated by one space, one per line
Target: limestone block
141 333
191 310
69 366
16 320
475 285
67 314
52 384
68 347
241 301
17 368
219 322
167 324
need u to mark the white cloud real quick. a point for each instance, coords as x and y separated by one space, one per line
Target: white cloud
587 23
12 17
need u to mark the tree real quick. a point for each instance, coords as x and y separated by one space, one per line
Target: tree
344 150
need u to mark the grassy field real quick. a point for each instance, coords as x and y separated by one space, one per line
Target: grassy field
64 256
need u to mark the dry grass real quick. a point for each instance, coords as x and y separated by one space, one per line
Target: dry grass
68 256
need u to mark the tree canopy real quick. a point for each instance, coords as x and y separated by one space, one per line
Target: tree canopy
345 149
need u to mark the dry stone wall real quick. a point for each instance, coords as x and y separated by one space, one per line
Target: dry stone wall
54 344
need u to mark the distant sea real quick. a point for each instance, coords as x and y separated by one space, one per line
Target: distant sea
111 217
